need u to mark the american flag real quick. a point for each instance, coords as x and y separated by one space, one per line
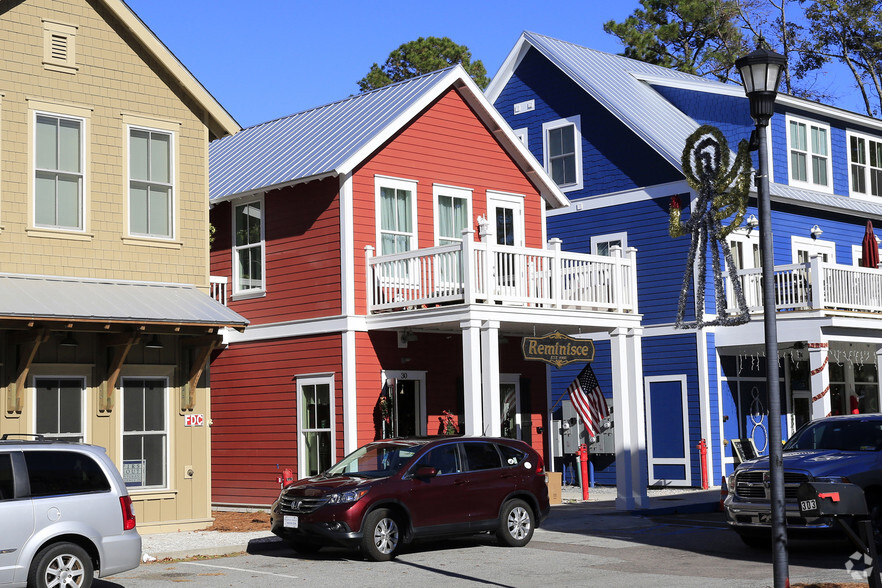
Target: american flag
588 400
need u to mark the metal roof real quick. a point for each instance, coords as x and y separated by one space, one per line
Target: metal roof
312 143
862 207
59 298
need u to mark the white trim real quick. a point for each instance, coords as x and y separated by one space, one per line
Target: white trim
347 249
576 122
507 69
130 124
849 134
83 377
315 380
624 197
495 198
523 136
350 391
439 190
140 372
396 184
702 348
238 293
813 246
83 116
680 461
622 237
808 183
411 376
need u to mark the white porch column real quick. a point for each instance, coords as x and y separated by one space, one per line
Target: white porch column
490 379
820 378
629 419
350 408
471 377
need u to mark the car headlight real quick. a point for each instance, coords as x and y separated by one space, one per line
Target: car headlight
832 479
346 497
730 482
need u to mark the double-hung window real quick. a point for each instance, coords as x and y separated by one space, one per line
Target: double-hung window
151 187
316 409
397 211
59 408
809 154
58 174
145 432
248 247
453 211
562 146
865 165
603 244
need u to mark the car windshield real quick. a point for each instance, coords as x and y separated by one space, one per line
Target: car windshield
842 435
376 460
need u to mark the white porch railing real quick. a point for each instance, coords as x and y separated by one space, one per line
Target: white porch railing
814 286
471 272
217 288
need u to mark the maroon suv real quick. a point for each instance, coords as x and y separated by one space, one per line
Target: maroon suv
390 492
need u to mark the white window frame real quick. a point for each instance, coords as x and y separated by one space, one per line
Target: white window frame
381 182
849 135
576 121
812 246
172 185
81 204
36 378
809 183
748 239
439 190
238 292
315 380
144 373
857 251
522 135
608 238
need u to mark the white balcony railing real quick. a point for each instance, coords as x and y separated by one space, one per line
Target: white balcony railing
814 286
217 288
470 272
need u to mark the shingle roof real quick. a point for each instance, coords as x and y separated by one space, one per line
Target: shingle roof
60 298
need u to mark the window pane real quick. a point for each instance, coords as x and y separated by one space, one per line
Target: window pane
404 211
68 202
154 455
876 182
858 182
248 219
797 136
819 171
568 140
323 404
798 166
154 406
445 216
138 209
47 148
45 199
64 472
460 216
159 211
69 145
70 407
555 142
7 490
138 161
133 407
819 141
481 456
160 158
857 150
47 408
387 209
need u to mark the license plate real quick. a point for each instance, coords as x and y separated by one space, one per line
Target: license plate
291 521
765 518
808 505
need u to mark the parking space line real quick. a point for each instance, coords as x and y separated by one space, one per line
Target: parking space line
191 563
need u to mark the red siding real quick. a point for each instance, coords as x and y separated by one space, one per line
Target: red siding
302 236
254 412
448 145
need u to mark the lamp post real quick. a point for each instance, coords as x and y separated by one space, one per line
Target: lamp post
761 74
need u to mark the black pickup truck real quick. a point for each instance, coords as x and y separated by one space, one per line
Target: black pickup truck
834 449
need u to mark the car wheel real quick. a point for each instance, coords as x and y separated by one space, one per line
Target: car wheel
756 541
381 535
301 546
516 524
874 508
65 565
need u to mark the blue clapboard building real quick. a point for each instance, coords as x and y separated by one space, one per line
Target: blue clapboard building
611 132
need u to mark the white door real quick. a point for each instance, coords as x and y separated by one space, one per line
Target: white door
506 215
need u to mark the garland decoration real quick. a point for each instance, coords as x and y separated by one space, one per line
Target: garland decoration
722 193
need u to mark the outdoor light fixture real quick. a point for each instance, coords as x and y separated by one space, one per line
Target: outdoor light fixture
69 341
751 221
153 343
761 75
816 232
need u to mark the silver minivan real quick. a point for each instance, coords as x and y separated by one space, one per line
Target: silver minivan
65 515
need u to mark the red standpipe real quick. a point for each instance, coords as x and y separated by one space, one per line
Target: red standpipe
702 451
583 459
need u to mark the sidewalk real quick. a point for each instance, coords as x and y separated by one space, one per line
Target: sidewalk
601 500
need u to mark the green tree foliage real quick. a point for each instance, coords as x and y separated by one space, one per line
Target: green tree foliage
422 56
700 37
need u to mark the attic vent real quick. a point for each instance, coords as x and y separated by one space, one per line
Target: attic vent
59 47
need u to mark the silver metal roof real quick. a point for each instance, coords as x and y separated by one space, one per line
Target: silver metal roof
59 298
309 144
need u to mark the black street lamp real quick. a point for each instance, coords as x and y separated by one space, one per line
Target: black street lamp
761 74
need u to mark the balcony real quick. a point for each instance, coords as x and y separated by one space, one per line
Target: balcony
486 273
814 286
217 286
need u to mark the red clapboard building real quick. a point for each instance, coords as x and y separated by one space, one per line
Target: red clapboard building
389 251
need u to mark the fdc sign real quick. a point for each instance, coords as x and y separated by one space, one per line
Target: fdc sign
194 420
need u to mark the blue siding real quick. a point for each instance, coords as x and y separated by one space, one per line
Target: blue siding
714 460
730 114
613 157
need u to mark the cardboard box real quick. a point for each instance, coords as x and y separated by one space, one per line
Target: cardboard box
554 481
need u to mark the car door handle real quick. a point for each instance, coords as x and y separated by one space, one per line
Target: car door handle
460 482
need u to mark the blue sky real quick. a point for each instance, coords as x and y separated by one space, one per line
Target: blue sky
263 59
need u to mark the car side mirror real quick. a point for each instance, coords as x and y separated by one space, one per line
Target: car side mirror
425 472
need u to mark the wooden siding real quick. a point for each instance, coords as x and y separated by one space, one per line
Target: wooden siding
613 158
254 413
302 240
447 144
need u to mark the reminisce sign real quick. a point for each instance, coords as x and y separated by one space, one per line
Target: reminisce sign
557 349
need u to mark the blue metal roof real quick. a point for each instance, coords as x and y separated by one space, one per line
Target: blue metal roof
314 143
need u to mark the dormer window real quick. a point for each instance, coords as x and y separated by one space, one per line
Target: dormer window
59 47
809 154
865 165
562 146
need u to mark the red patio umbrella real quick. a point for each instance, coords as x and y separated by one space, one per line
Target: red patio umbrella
870 248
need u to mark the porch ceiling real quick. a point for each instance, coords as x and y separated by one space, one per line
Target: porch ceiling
513 320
